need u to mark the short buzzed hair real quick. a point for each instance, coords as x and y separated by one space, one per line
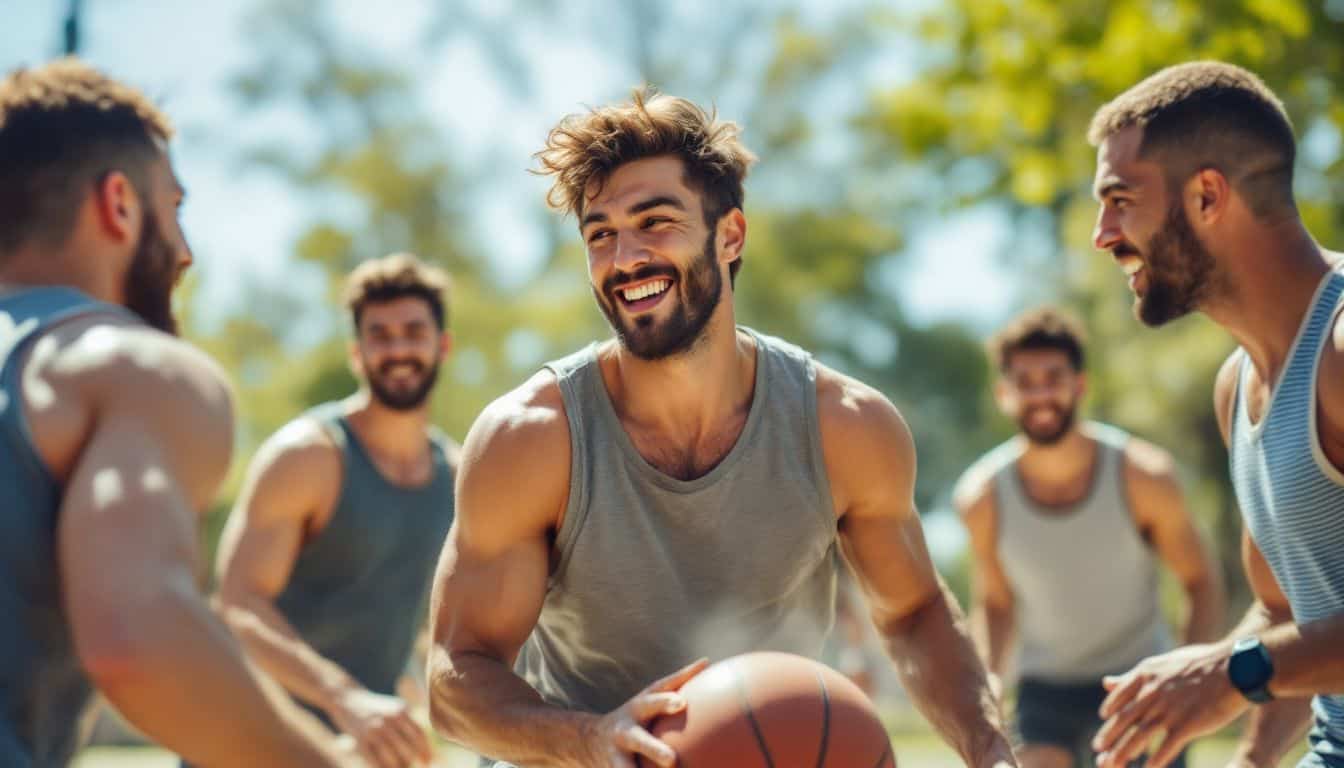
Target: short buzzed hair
63 127
393 277
1040 328
584 149
1208 114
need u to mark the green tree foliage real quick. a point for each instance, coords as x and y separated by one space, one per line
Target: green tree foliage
996 115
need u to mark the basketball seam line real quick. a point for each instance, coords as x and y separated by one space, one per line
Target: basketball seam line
751 720
825 720
883 759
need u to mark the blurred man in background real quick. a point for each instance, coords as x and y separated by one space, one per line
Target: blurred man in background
326 562
1195 183
1065 520
114 436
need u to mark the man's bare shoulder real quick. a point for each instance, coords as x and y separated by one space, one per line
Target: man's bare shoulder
1150 473
973 494
104 370
301 452
866 442
516 457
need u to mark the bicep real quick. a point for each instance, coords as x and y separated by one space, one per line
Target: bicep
262 537
126 531
1175 537
891 562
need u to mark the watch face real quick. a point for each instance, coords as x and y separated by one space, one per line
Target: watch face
1248 668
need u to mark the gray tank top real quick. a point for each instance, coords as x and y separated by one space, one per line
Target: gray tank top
43 689
655 572
1084 581
359 588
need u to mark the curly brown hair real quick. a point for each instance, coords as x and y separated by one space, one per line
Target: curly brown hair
584 149
1208 114
1040 328
397 276
63 127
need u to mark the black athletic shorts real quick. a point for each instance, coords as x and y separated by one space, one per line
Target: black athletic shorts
1063 715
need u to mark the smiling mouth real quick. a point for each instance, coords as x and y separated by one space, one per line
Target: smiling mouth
645 295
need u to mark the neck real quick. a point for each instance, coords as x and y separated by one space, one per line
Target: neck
690 393
1058 462
1271 277
31 267
397 435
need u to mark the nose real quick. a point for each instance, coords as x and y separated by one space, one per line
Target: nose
1106 233
630 254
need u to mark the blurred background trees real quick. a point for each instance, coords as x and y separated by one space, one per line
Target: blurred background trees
897 142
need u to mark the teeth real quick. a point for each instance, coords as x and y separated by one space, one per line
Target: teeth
1132 267
646 290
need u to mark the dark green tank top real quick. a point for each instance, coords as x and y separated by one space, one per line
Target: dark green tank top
359 588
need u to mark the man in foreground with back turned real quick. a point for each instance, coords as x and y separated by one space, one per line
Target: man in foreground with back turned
114 436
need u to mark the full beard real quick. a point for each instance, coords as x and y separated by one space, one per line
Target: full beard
1049 435
701 288
402 400
1179 271
153 273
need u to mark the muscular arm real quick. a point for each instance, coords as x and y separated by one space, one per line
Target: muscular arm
293 479
870 459
491 580
1275 727
992 601
1270 729
159 443
1159 510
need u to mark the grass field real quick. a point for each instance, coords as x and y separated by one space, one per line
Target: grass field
914 750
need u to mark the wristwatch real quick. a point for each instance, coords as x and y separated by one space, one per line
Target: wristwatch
1250 669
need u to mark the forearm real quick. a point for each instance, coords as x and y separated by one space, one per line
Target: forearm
273 643
1257 619
939 668
177 669
1270 730
992 628
1308 658
477 701
1205 617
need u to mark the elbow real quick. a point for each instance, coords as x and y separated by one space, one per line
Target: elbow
117 657
444 682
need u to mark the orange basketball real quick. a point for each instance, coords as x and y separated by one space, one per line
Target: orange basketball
774 710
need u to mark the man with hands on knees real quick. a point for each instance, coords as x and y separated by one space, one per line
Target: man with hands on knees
678 492
1194 176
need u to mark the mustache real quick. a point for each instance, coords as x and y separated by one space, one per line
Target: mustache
619 279
387 367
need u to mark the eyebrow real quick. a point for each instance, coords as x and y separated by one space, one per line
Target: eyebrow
1108 188
640 207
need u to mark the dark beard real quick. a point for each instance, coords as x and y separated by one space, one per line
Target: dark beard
701 289
407 400
1179 270
1037 437
151 277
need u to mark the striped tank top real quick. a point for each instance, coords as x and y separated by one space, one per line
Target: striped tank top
1292 498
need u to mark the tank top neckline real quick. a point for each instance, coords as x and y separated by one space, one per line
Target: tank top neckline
1065 512
612 422
356 448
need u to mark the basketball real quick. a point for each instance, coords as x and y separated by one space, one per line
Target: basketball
774 710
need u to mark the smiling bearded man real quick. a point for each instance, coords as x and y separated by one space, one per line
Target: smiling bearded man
325 563
687 485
